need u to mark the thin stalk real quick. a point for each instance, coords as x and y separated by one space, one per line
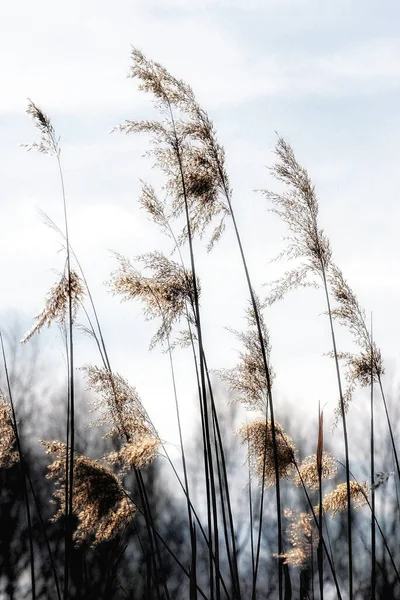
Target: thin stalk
171 552
389 425
24 472
379 529
328 553
320 450
224 485
345 436
149 530
103 354
372 477
71 397
251 518
270 400
43 526
193 570
320 555
213 508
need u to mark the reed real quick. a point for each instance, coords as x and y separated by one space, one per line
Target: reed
108 498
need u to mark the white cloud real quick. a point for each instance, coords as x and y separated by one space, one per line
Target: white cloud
75 58
72 60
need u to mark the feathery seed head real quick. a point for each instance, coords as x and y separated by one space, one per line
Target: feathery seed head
48 144
186 148
154 207
99 501
248 380
298 208
301 536
258 435
8 452
348 310
119 404
138 453
309 470
337 499
167 294
56 304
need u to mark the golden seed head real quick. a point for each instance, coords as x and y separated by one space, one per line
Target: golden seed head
258 435
167 294
98 501
138 453
56 304
8 452
301 536
309 470
336 500
185 148
119 404
48 143
248 381
297 206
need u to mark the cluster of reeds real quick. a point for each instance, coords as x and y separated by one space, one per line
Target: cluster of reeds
197 200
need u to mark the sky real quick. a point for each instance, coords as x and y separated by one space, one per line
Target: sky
325 76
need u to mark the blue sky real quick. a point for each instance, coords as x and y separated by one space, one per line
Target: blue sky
326 76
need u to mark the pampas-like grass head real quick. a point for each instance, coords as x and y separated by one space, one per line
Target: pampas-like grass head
8 452
99 501
185 148
258 436
48 143
301 537
56 304
298 208
336 500
308 470
167 294
248 381
122 412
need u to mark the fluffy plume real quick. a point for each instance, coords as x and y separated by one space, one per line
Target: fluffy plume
301 536
99 501
258 436
122 411
48 143
248 381
167 294
154 207
185 148
309 470
137 454
368 363
297 206
8 452
336 500
56 304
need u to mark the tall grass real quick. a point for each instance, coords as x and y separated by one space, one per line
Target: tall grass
97 496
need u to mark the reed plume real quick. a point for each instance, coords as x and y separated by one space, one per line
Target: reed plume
247 381
257 435
366 366
8 442
100 504
336 500
122 412
48 142
182 148
56 304
298 207
167 294
302 536
308 470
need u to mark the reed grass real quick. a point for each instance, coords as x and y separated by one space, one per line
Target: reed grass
102 497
